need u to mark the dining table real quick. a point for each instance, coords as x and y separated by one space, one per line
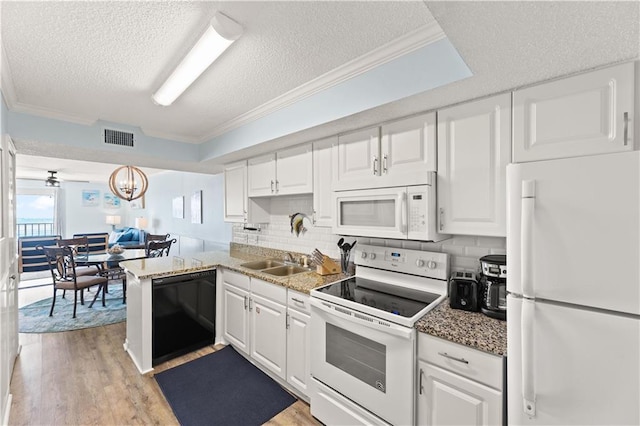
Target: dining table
109 265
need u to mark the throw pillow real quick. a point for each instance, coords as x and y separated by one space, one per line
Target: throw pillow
113 236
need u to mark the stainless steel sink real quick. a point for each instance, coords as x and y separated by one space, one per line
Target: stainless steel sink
262 264
285 270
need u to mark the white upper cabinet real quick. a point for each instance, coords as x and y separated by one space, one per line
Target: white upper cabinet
235 192
397 154
358 159
237 206
474 148
262 175
286 172
408 150
583 115
324 167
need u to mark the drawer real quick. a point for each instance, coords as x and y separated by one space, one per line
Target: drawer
471 363
236 279
275 292
298 301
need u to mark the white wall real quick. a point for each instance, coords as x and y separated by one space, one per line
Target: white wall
464 250
164 187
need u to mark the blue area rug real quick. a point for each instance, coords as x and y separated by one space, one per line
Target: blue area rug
34 318
222 388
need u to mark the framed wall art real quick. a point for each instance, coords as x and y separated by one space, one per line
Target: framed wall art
90 197
111 201
196 207
137 204
178 207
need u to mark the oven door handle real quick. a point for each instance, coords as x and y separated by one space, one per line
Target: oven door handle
328 311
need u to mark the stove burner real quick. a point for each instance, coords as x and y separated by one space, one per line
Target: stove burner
396 300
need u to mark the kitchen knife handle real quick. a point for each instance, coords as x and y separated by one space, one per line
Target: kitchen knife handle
526 352
626 128
526 236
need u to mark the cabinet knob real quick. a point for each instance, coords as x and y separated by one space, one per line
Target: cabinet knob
419 263
364 255
431 264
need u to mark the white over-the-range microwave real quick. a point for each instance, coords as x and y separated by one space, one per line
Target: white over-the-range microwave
404 212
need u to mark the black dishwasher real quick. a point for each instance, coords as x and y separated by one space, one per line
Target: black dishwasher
184 314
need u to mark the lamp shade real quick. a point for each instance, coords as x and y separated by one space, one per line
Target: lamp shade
141 222
113 220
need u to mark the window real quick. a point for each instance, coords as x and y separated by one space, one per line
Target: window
35 211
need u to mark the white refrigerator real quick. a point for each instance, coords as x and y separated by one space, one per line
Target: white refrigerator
573 277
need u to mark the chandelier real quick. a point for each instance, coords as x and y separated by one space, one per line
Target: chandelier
128 183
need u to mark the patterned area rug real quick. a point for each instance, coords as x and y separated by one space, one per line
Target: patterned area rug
34 318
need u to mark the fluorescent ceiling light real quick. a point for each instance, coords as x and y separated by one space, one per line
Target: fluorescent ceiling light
216 39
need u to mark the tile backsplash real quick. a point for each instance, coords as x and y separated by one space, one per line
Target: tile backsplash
465 250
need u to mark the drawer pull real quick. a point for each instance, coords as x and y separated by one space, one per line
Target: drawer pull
446 355
297 300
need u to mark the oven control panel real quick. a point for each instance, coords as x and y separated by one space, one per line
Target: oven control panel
416 262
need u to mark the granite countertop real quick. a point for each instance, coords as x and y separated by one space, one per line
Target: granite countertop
472 329
229 259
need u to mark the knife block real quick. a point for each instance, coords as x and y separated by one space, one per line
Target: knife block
328 267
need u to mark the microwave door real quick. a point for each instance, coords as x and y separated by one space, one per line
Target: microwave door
377 213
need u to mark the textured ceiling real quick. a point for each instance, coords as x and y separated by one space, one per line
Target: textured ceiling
103 60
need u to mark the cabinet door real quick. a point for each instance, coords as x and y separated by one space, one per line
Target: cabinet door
408 150
298 341
583 115
236 324
474 148
445 398
358 159
324 166
262 176
294 170
269 334
235 192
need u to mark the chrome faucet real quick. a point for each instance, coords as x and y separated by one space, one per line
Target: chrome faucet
290 258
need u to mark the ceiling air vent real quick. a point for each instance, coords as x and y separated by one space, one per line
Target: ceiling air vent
116 137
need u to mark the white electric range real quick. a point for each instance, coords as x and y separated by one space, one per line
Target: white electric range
363 340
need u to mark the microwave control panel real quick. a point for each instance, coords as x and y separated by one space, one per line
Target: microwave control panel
417 211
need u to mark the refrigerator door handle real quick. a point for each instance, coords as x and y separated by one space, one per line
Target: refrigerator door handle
526 234
528 385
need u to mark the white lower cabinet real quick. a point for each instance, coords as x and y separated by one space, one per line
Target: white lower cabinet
298 341
458 385
235 304
270 325
268 313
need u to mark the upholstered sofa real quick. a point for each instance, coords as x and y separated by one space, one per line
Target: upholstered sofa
127 238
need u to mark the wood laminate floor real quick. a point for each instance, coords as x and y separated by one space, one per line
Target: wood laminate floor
85 377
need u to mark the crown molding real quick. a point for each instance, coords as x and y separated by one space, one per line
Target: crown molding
408 43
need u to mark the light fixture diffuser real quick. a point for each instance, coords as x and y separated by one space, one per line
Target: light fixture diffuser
218 36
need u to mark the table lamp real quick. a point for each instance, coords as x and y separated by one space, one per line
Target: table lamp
113 220
141 223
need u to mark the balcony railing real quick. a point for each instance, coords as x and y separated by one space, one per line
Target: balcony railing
35 229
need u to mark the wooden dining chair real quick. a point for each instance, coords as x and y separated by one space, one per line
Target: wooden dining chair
80 245
63 271
158 248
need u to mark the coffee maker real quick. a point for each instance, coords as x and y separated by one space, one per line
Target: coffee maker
493 286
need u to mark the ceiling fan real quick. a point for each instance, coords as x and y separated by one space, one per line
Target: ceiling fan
52 180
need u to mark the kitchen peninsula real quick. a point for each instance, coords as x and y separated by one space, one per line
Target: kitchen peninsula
141 274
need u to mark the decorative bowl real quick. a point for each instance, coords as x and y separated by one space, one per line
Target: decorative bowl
115 250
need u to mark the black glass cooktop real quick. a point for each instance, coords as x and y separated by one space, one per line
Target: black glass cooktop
386 297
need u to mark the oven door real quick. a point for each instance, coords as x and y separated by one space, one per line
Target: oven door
367 360
378 213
